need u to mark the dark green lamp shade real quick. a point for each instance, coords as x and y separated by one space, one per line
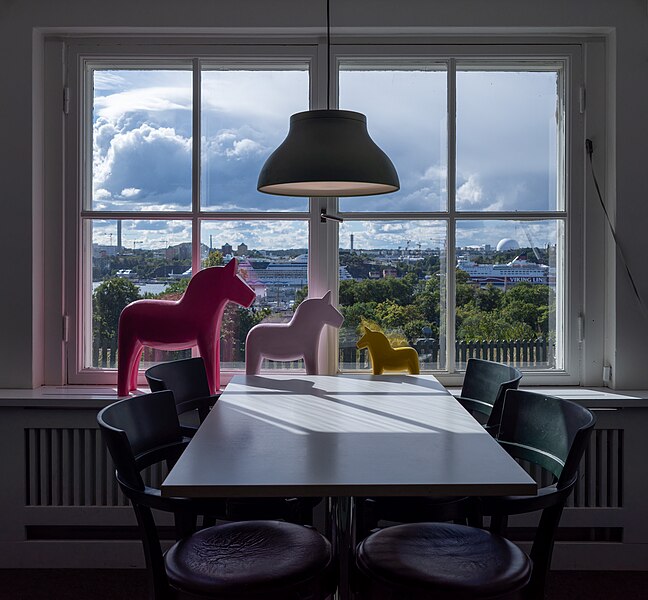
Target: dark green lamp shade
328 153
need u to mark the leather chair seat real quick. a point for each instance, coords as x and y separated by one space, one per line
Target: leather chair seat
267 559
441 561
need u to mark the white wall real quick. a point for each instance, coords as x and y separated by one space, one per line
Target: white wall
26 196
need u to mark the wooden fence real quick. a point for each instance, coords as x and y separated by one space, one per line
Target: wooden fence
536 353
518 353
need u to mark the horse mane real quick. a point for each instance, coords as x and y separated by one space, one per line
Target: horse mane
377 337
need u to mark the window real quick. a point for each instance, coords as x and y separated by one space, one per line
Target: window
472 257
172 150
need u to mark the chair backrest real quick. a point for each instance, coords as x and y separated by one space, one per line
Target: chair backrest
136 426
141 431
544 430
552 433
485 383
186 378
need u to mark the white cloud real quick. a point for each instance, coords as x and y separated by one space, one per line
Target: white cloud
113 107
130 192
241 148
470 193
435 173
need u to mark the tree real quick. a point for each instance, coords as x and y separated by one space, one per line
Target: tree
175 289
108 300
488 298
300 296
475 325
214 259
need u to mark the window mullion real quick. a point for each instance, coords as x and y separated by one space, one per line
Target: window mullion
195 166
451 233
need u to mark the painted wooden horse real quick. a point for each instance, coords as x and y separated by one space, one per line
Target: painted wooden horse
296 339
386 358
194 320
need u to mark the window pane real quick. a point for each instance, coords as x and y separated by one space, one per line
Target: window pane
509 138
510 281
273 258
245 116
406 116
133 260
141 140
392 279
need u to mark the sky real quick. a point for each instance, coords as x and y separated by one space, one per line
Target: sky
142 148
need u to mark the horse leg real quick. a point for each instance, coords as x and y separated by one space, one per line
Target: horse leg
128 352
137 355
253 359
310 360
209 348
253 356
415 368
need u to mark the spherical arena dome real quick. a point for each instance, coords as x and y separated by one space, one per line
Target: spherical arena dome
507 244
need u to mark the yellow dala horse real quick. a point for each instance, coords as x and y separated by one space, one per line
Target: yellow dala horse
386 358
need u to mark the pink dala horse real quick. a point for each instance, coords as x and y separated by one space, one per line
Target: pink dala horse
296 339
194 320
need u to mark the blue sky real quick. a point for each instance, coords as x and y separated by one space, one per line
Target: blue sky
506 151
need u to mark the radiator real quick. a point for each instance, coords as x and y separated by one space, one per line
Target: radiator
72 467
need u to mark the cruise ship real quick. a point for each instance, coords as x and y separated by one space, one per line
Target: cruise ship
292 273
501 275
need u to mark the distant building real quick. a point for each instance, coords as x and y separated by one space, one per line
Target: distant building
180 252
389 272
249 275
226 249
242 249
99 250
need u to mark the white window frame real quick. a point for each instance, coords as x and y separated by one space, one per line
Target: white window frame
570 58
83 58
323 237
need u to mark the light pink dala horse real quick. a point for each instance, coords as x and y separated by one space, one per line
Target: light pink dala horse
296 339
386 358
194 320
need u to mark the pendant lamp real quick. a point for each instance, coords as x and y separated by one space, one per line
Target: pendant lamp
328 153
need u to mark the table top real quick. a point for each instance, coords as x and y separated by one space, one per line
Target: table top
351 435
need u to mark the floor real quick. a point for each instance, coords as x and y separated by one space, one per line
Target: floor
46 584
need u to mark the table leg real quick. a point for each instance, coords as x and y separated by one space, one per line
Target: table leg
340 529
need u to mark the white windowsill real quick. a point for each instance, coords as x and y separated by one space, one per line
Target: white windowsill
88 396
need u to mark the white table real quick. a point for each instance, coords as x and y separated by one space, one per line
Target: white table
352 435
339 437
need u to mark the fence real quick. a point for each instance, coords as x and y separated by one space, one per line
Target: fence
526 354
104 354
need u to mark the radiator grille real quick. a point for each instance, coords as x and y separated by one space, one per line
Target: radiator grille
72 467
600 480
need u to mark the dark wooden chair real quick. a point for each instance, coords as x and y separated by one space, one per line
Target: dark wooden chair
486 382
247 561
187 379
449 561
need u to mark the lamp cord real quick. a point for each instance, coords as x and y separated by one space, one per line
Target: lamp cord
328 54
589 146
